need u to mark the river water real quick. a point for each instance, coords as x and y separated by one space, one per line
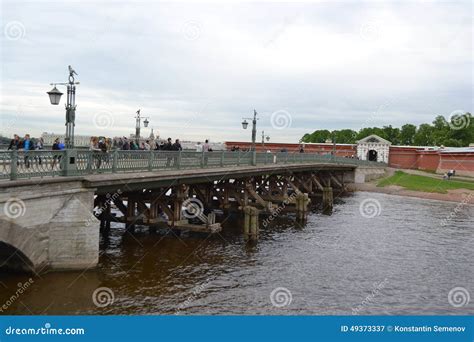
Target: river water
404 260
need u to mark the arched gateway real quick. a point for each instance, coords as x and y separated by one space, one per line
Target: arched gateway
373 148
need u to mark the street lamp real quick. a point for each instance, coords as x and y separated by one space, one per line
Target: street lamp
254 134
138 124
263 138
55 96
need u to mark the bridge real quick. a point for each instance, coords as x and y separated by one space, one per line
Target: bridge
54 204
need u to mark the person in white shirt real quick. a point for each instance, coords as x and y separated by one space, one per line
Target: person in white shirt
198 147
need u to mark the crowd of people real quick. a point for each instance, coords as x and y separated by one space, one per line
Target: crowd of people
25 144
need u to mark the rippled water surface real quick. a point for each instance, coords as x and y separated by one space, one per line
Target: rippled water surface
402 261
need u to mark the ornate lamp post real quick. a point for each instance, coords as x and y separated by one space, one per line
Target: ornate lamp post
254 134
55 97
138 124
263 138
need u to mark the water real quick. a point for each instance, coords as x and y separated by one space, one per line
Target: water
402 261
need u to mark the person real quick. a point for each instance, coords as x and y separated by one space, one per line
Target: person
450 173
95 149
301 149
146 145
56 158
198 147
39 146
205 147
27 146
14 143
126 144
160 146
168 146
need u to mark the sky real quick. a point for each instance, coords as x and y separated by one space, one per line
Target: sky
197 69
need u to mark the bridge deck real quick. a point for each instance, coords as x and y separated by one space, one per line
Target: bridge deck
138 180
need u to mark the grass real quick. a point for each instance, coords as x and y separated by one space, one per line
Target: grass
423 183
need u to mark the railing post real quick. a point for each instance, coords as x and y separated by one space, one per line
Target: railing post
114 161
254 158
179 160
202 159
69 162
238 158
222 158
150 161
13 165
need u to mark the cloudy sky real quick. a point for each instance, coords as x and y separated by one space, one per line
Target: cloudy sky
197 68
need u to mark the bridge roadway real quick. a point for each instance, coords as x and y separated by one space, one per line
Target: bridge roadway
48 223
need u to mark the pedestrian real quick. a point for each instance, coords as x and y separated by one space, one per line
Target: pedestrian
39 146
27 146
198 147
14 143
168 147
126 144
147 146
56 157
206 149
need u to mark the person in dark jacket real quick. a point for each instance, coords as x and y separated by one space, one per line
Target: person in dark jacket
15 143
177 146
56 158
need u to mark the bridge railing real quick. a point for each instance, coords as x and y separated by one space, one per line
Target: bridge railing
28 164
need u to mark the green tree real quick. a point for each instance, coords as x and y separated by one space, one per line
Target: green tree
344 136
424 135
407 134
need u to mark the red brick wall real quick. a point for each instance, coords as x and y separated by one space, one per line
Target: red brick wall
463 163
341 150
402 157
428 160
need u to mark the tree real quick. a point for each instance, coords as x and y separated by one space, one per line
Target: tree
344 136
407 134
424 135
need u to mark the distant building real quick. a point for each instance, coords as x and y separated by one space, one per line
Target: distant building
373 148
79 140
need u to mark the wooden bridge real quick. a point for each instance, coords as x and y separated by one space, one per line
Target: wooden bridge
54 203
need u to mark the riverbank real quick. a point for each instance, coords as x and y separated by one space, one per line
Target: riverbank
441 192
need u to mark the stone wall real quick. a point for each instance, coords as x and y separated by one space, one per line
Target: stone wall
47 223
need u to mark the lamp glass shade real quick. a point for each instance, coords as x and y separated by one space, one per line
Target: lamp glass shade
245 124
268 138
146 122
54 96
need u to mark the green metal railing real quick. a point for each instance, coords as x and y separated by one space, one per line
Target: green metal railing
28 164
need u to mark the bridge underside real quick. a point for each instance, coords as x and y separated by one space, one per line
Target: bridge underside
189 201
57 226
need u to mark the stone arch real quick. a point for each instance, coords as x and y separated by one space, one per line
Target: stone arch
13 259
372 155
